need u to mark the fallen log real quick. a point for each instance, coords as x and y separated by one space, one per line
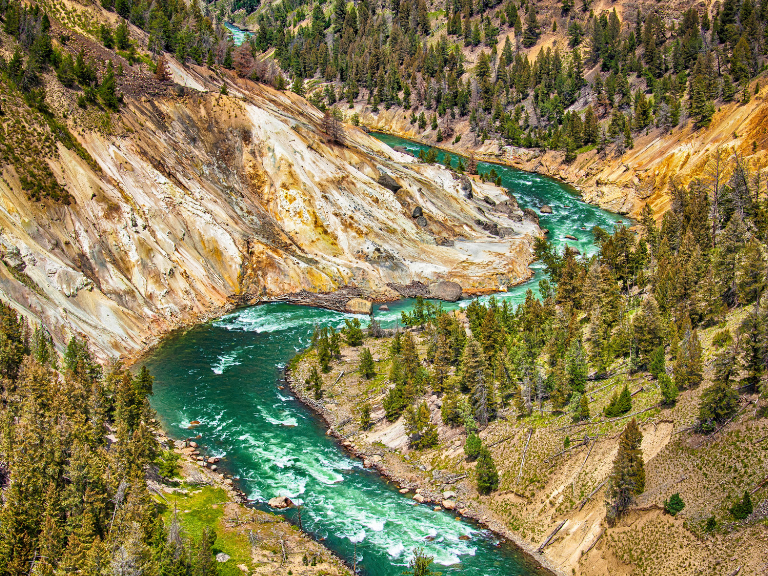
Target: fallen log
760 485
600 535
522 462
589 497
582 467
552 535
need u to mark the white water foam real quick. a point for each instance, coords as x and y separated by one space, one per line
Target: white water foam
225 361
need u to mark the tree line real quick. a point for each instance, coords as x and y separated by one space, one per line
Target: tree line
76 442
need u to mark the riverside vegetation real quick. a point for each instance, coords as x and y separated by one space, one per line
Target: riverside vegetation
638 377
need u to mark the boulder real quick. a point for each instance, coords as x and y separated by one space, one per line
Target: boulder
569 237
449 504
359 306
404 490
445 290
280 502
388 182
221 557
417 212
419 498
546 209
529 214
449 495
383 308
193 444
421 221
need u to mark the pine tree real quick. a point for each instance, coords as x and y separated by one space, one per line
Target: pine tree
532 30
582 414
657 363
743 508
161 70
627 478
367 367
688 361
752 343
472 366
720 401
473 446
421 430
314 382
365 416
354 332
668 389
647 329
487 475
619 404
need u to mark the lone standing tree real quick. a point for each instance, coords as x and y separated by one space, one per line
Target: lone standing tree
628 476
334 132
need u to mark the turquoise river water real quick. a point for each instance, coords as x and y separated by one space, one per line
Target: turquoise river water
228 374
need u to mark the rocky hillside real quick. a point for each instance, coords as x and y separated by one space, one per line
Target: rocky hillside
202 190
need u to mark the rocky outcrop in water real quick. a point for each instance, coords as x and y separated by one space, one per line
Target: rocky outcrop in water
445 290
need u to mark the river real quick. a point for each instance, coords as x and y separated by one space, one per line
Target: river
228 375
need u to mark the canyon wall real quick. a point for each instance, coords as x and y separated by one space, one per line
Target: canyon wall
191 201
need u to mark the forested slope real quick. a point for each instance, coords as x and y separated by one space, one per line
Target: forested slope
623 412
624 95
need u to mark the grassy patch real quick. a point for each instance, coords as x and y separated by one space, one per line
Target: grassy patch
203 507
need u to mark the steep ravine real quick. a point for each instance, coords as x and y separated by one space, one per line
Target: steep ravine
201 201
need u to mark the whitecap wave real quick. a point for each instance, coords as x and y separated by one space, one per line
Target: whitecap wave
225 361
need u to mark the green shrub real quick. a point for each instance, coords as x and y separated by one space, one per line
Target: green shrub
674 505
742 508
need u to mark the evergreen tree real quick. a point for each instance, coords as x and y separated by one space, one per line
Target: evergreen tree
367 367
743 508
688 360
720 401
421 430
674 505
627 478
354 332
315 383
532 30
647 330
487 475
668 389
473 446
365 416
582 414
619 404
420 564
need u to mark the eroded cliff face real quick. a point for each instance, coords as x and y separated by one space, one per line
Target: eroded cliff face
198 201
